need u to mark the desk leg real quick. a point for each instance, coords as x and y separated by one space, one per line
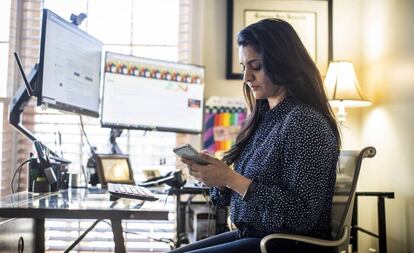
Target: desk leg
181 222
354 223
382 231
118 236
40 235
178 219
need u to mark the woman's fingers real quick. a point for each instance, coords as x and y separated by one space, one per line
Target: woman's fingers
197 175
208 157
186 161
197 167
204 151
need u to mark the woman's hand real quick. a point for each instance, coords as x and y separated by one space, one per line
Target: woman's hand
217 173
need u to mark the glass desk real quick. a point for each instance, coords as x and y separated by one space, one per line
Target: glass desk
80 203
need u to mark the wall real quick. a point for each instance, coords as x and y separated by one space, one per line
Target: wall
387 54
346 46
214 51
377 36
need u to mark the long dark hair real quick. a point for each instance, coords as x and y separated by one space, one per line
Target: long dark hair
286 63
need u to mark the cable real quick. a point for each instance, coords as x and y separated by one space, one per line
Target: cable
166 198
209 218
60 142
15 172
86 136
18 178
58 139
212 207
212 228
85 175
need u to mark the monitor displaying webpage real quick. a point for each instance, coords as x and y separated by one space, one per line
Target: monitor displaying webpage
142 93
70 66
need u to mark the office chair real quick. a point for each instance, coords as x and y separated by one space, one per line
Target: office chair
342 205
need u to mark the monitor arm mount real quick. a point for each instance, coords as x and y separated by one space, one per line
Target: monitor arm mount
115 133
19 102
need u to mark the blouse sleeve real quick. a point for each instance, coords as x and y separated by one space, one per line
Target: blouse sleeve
220 198
309 157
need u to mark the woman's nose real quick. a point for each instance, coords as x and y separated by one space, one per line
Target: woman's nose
247 76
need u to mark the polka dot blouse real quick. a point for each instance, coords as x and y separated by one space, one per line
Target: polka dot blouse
291 158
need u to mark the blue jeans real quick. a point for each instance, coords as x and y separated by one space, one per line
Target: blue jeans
228 243
222 243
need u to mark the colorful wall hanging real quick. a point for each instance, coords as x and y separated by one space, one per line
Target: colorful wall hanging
222 121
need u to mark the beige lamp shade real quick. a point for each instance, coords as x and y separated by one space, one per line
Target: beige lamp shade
342 85
342 88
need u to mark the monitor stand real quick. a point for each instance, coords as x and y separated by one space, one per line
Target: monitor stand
21 98
115 133
19 102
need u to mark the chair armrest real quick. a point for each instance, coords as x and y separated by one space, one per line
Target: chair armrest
305 239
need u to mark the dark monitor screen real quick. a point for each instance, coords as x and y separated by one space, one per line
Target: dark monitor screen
148 94
69 67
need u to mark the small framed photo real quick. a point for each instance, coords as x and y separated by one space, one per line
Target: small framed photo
312 20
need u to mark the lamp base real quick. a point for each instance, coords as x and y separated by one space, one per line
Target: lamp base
341 113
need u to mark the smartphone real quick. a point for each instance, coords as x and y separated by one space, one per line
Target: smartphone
188 152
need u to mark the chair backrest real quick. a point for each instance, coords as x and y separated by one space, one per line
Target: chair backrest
348 169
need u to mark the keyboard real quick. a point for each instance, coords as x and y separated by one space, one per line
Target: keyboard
131 191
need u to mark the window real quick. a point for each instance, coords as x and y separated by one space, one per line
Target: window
135 27
4 44
5 11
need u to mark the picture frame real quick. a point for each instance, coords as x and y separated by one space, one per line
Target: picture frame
312 20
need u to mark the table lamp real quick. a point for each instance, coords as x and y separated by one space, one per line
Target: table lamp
342 88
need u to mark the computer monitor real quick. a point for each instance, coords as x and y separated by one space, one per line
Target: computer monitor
148 94
69 67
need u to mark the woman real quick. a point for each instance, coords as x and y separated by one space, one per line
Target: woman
286 153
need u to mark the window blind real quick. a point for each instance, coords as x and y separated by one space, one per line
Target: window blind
24 36
141 35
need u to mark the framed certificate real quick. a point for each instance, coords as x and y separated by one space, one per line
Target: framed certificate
312 20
